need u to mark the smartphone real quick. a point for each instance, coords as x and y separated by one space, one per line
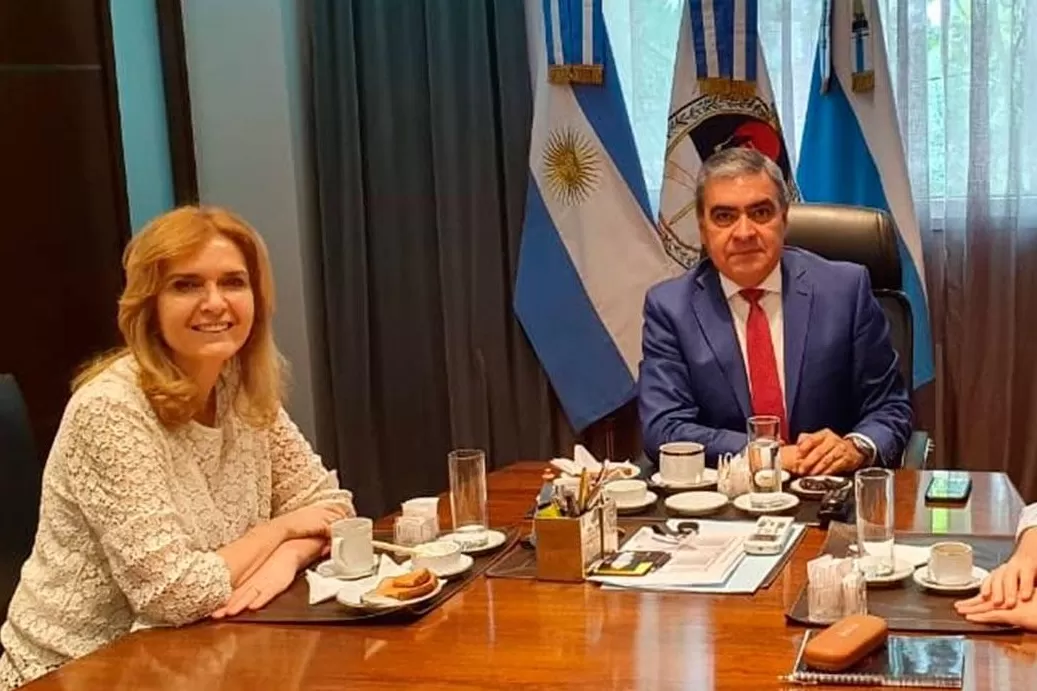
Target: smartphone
948 486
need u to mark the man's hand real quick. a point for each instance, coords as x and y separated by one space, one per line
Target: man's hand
791 458
981 611
826 453
270 580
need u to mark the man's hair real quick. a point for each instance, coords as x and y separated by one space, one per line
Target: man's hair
735 162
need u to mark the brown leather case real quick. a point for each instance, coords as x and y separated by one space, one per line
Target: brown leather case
845 643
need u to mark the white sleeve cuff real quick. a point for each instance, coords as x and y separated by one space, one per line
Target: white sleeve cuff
1027 520
873 457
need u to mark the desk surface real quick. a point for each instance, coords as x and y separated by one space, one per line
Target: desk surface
540 635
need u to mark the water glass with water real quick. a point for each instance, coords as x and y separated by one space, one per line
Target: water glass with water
764 455
468 491
874 493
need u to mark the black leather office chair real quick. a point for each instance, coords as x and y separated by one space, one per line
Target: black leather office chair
20 477
867 237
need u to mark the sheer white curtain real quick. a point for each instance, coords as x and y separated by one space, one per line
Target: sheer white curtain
965 75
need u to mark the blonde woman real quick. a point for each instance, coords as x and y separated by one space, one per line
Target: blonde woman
177 487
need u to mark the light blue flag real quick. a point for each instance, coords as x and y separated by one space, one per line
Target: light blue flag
589 251
852 152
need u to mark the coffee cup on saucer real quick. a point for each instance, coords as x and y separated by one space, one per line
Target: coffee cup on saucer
682 462
351 550
950 563
627 492
441 556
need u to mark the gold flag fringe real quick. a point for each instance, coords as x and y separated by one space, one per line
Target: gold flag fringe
863 81
722 86
576 74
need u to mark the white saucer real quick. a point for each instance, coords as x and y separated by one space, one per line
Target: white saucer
922 578
708 479
328 569
464 562
798 489
696 503
789 501
380 602
649 499
495 539
901 570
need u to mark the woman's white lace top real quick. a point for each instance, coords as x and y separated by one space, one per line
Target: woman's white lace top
132 514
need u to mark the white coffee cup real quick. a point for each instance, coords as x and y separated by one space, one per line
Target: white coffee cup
627 492
438 557
351 548
950 563
682 462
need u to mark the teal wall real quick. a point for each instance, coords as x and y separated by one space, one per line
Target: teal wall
142 110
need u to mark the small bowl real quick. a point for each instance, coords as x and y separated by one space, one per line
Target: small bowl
627 491
441 555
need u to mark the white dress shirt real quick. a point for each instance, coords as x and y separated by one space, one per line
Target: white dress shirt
1028 519
770 302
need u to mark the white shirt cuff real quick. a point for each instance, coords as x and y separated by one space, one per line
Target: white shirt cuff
1027 520
874 456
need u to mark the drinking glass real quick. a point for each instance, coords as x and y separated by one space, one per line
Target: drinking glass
764 456
874 493
468 492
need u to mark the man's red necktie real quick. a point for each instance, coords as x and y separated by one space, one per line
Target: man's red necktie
764 384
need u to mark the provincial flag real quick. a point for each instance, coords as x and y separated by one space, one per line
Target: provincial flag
721 97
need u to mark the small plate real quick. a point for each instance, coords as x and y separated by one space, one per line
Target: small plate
696 503
901 570
328 569
464 562
649 499
380 602
798 488
789 501
495 539
708 479
921 576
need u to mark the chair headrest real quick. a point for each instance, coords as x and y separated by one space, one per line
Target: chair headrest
849 233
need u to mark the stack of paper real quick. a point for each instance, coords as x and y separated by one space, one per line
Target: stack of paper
712 562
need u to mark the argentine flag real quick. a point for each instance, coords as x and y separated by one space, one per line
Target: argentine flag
852 151
589 251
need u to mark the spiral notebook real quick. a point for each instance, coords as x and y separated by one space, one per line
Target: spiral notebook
924 662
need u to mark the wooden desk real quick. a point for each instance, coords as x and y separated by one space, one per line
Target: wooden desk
545 636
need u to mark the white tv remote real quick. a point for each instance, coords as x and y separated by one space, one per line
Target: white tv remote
770 535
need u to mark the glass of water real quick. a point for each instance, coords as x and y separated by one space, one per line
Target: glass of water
874 493
764 456
468 494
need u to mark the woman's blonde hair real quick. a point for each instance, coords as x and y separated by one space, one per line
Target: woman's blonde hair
259 367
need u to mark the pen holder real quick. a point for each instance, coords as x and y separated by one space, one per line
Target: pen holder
566 547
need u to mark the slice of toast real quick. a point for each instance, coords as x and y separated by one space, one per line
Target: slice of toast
410 585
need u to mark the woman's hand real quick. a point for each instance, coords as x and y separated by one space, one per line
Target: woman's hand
310 521
270 580
1023 614
1009 584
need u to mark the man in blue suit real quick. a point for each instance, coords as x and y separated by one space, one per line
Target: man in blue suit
714 337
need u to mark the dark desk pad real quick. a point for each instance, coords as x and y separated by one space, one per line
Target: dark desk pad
292 606
906 606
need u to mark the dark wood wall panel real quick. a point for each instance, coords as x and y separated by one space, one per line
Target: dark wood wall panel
63 191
